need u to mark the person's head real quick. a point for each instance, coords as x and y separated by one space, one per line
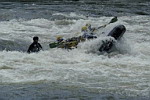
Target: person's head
59 38
35 39
84 28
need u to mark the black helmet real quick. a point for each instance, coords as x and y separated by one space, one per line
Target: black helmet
35 38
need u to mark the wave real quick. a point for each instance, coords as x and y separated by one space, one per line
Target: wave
16 45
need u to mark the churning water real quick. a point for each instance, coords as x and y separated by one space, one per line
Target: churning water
82 73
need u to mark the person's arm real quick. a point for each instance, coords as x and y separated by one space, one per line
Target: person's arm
40 46
29 49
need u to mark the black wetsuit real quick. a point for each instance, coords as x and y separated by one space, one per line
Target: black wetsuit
34 47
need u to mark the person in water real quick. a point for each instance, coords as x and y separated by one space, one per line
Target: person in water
35 46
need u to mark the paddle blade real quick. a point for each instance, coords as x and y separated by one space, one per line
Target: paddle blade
113 20
53 45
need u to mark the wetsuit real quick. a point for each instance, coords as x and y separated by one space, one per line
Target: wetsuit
34 47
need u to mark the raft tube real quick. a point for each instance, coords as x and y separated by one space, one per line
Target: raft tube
117 32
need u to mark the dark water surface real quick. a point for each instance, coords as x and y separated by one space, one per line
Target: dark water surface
57 91
48 9
29 9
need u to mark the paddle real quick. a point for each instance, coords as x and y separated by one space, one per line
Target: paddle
114 19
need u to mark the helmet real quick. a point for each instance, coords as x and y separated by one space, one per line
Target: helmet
88 25
84 28
35 38
58 37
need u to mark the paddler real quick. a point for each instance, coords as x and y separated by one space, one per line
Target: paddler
88 32
35 46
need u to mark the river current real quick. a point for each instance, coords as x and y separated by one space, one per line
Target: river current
82 73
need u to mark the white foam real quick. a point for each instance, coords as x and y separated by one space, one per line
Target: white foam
127 71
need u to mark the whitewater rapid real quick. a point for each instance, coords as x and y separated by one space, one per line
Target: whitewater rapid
124 71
